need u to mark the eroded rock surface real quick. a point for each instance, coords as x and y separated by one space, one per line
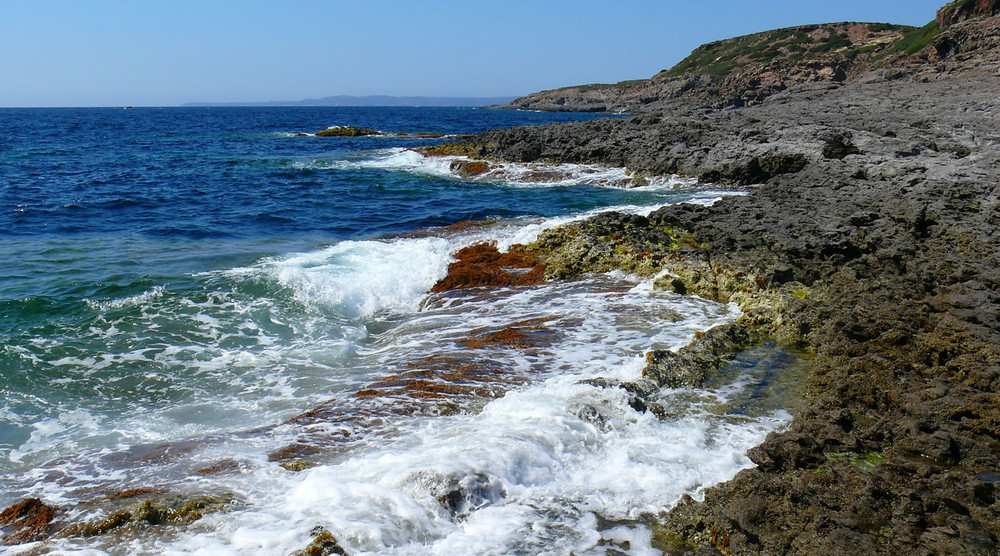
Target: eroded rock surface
877 249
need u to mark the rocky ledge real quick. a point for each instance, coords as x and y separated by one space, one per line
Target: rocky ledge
870 240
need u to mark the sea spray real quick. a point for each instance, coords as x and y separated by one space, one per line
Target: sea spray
241 313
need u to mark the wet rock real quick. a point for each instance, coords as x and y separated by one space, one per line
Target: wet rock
222 467
297 465
449 149
463 495
641 393
133 492
705 355
469 168
293 452
323 544
520 335
483 264
26 521
173 510
611 241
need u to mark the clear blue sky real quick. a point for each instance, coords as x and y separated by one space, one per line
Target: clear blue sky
152 52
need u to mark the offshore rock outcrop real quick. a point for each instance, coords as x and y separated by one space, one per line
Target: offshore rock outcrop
877 251
347 131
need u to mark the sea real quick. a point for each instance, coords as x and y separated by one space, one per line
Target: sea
214 304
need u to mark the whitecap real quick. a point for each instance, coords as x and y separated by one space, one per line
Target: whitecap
104 305
360 278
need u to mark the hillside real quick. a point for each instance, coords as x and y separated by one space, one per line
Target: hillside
745 70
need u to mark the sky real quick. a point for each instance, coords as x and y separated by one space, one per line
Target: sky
165 53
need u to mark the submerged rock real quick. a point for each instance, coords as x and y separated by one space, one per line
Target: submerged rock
640 393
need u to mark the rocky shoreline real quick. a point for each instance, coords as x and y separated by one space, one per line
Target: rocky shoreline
867 240
871 241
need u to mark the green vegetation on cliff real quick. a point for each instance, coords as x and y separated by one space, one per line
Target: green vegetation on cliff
745 70
834 40
917 39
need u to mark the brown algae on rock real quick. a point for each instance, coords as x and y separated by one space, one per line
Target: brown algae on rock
26 521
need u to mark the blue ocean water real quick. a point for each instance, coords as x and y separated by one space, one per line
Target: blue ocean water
104 204
181 274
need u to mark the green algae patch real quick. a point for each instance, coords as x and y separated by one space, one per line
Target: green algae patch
792 44
680 239
862 460
153 512
297 465
607 242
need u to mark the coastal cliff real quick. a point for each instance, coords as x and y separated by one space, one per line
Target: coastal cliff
870 241
746 70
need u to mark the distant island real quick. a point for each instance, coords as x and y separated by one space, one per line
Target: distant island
372 100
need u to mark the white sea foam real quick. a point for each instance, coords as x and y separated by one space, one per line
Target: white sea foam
530 473
525 230
131 301
360 278
511 174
